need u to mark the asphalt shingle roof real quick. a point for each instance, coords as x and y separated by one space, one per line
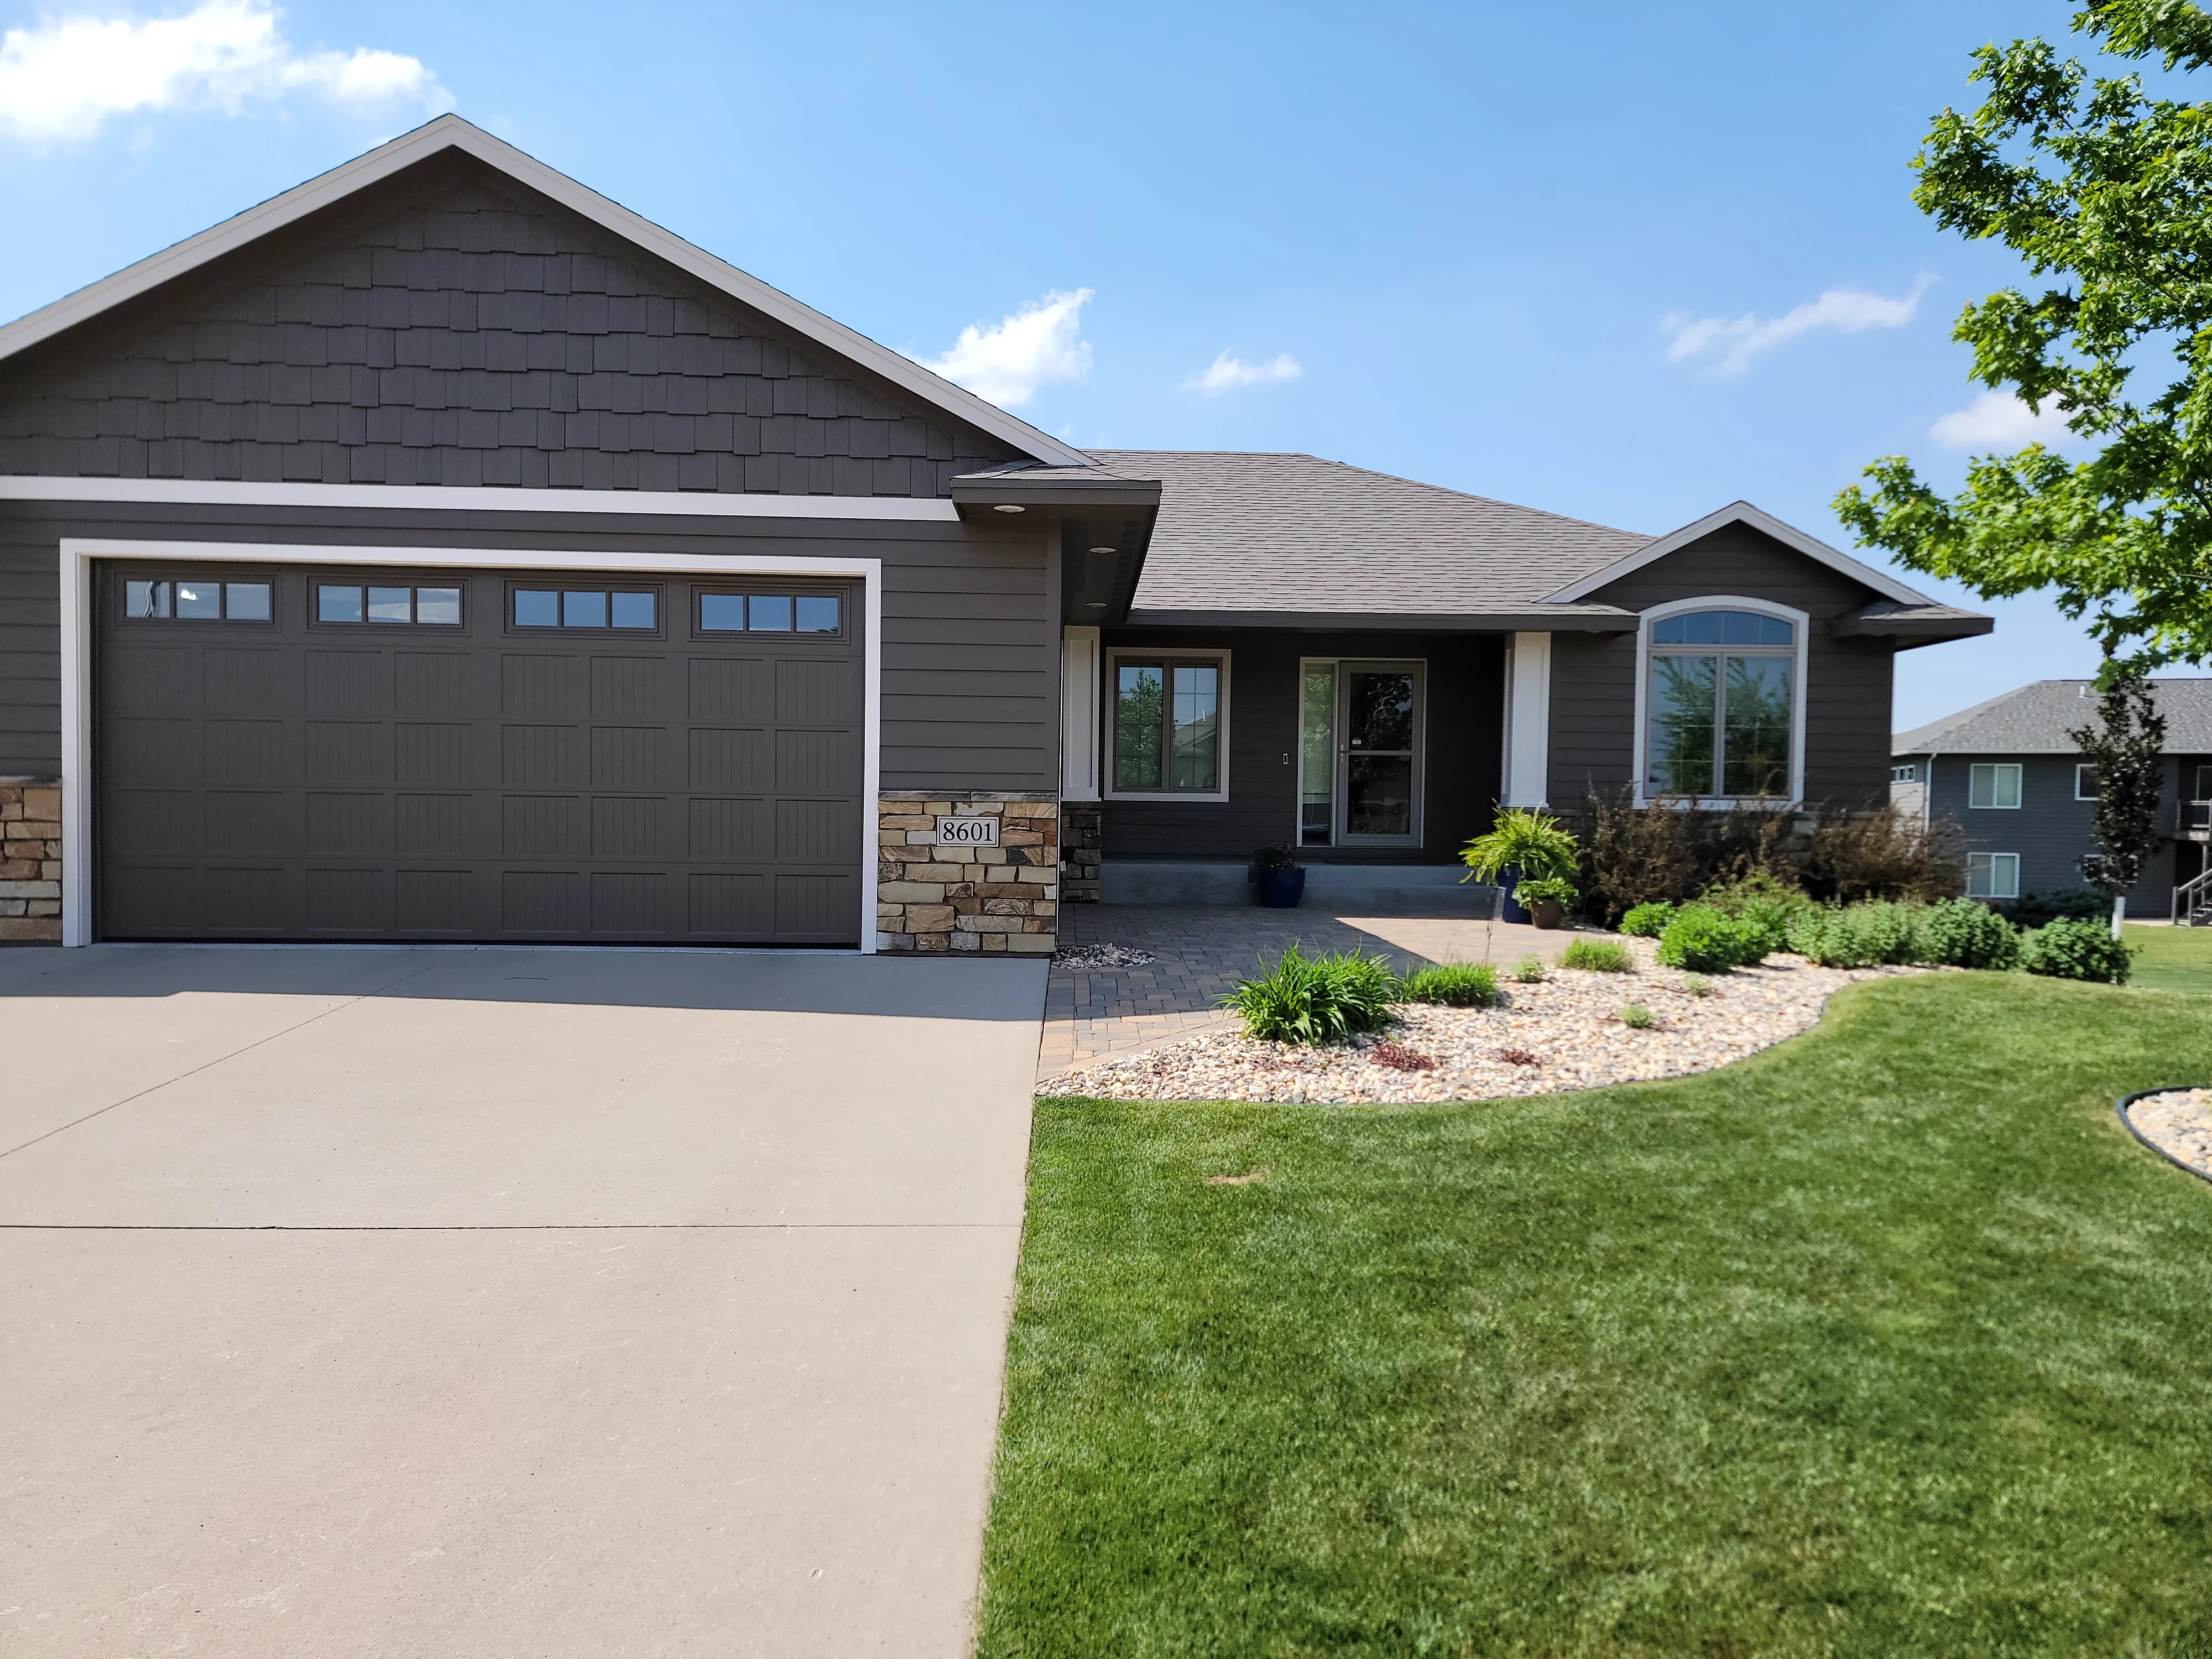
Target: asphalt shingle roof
2035 719
1294 533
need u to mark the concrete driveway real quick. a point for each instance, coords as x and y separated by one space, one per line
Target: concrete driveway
491 1302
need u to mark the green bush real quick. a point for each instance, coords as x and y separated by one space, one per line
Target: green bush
1636 1016
1453 985
1599 956
2033 909
1545 889
1860 935
1317 999
1769 903
2076 948
1962 933
1704 941
1648 921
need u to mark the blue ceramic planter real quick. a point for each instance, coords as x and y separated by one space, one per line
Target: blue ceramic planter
1282 890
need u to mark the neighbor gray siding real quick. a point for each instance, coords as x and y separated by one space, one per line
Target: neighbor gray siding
2050 829
449 327
970 631
1848 681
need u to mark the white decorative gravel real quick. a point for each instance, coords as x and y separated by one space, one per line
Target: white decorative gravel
1569 1023
2179 1123
1103 956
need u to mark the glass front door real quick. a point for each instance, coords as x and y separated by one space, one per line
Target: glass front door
1359 753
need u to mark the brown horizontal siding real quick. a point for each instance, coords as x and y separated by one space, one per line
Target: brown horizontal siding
986 688
1465 703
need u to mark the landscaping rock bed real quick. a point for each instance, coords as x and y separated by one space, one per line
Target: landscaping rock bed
1564 1032
2178 1123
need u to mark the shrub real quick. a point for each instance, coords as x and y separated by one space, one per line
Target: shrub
1706 942
1697 987
1453 985
2086 903
2073 947
1529 971
1882 855
1860 935
1648 921
1759 897
1636 1016
1599 956
1305 998
1631 855
1962 933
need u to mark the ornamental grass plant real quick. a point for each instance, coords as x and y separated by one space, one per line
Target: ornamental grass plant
1315 1000
1598 955
1453 985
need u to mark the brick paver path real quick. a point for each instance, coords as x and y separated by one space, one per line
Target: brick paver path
1202 951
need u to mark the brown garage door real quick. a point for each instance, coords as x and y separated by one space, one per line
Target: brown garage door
315 754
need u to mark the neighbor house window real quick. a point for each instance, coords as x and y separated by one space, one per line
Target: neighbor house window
1993 875
1168 723
2085 783
1993 784
582 607
183 600
1722 687
1904 773
350 602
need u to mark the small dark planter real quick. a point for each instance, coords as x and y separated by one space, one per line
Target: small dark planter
1508 879
1546 913
1282 890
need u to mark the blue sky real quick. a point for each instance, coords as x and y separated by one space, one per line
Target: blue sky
1578 268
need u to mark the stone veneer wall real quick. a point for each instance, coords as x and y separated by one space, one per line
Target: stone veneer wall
994 901
1082 833
30 861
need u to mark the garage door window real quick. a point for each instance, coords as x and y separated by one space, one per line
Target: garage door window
584 607
428 607
769 613
196 601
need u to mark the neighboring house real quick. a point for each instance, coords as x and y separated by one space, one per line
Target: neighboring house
440 551
2009 774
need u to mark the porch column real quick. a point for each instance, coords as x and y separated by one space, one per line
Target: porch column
1078 714
1528 719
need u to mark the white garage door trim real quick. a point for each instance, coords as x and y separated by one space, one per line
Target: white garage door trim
78 554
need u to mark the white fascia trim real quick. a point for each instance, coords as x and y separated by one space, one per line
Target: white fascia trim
1744 514
1723 602
452 132
78 554
185 492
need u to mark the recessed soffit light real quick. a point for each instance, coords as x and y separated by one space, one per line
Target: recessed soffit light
1105 549
1008 506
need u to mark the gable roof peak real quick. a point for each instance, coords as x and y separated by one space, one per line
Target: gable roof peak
1744 513
453 133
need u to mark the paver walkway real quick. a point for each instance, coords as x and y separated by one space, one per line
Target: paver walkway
1203 950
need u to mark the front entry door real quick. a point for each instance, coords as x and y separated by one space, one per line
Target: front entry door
1360 743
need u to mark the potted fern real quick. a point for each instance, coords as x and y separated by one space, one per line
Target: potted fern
1541 854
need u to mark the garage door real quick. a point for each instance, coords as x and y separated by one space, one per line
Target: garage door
304 754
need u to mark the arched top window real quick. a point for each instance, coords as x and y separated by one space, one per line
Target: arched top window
1720 702
1744 628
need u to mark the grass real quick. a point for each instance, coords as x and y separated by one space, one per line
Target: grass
1453 984
1598 955
2173 959
1887 1341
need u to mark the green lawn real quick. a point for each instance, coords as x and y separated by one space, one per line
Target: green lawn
2173 959
1888 1342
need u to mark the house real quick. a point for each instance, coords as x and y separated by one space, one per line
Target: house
2008 773
441 551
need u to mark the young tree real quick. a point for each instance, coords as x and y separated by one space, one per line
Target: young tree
2107 193
2125 745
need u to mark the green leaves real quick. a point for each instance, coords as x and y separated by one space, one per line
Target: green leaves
2110 191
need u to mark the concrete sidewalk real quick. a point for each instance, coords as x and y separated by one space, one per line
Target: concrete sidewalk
504 1302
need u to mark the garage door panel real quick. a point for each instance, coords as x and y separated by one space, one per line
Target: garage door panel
296 778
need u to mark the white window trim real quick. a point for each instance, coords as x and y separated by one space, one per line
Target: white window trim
79 554
1802 630
1992 857
2020 785
1340 839
1106 700
2080 767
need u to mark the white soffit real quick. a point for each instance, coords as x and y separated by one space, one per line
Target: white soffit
1744 514
452 132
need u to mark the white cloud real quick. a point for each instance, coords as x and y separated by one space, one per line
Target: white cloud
1999 421
1730 343
1007 362
63 78
1227 373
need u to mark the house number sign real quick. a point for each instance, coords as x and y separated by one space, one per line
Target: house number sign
967 832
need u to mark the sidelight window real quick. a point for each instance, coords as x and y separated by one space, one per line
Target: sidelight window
1169 725
1720 694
